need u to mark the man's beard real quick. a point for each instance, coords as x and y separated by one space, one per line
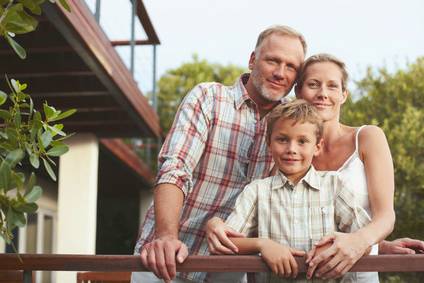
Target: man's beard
263 91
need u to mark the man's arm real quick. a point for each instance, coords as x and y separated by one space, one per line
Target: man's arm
159 255
178 158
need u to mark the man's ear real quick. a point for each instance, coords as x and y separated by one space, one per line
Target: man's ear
319 146
252 60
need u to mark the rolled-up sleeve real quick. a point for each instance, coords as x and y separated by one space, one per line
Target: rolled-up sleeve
186 140
244 217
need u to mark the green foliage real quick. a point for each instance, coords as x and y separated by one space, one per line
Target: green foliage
25 135
176 83
17 17
395 102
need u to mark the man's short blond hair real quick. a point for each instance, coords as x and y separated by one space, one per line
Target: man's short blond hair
298 110
281 30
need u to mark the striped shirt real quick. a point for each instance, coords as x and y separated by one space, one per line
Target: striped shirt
215 147
297 216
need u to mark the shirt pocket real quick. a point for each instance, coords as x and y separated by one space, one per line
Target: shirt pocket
321 222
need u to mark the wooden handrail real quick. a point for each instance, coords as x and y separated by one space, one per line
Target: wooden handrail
61 262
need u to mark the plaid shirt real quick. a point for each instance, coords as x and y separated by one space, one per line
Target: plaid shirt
215 147
297 216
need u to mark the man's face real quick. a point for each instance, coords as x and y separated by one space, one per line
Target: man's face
293 145
274 67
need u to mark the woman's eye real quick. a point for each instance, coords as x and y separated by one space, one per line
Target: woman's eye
313 85
303 141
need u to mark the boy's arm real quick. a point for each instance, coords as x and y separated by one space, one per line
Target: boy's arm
242 221
278 257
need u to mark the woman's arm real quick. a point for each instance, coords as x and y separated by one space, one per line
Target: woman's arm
348 248
375 154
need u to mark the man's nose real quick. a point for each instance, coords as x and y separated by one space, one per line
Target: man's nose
279 71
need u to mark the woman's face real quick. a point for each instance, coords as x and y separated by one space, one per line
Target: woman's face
322 87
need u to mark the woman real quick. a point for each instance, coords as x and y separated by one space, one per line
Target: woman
362 158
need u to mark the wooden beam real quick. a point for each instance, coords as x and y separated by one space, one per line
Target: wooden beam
146 23
127 156
235 263
51 74
70 94
128 42
90 42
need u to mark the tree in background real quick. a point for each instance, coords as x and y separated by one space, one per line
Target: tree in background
395 102
176 83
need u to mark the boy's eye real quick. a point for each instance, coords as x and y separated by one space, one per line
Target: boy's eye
282 139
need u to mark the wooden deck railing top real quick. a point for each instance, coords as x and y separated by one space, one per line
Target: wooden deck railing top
381 263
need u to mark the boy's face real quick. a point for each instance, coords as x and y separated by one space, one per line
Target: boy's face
293 145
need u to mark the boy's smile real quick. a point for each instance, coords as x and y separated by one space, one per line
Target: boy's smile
293 145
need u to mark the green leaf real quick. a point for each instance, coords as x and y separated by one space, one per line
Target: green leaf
34 160
14 157
56 130
49 169
15 85
32 5
46 139
49 111
4 114
18 119
65 5
58 150
27 207
18 21
64 115
31 182
3 97
34 194
16 47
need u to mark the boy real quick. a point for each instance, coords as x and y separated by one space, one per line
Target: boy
295 208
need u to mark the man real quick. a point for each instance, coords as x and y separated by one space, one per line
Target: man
215 147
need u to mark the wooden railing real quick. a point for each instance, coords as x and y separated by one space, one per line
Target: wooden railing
35 262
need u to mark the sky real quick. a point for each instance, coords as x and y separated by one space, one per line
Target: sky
362 33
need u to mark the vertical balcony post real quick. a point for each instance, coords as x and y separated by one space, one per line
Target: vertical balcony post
134 9
97 13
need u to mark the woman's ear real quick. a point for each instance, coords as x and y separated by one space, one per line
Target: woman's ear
345 95
297 90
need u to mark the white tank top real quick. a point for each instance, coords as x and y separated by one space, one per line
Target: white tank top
352 173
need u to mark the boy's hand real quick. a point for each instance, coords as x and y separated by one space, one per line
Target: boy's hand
217 235
280 258
342 251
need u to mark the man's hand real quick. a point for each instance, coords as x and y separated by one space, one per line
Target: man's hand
401 246
280 258
217 235
160 254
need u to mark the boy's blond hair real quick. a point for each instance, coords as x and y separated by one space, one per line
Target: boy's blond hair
298 110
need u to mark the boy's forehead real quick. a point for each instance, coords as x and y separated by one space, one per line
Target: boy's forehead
295 126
